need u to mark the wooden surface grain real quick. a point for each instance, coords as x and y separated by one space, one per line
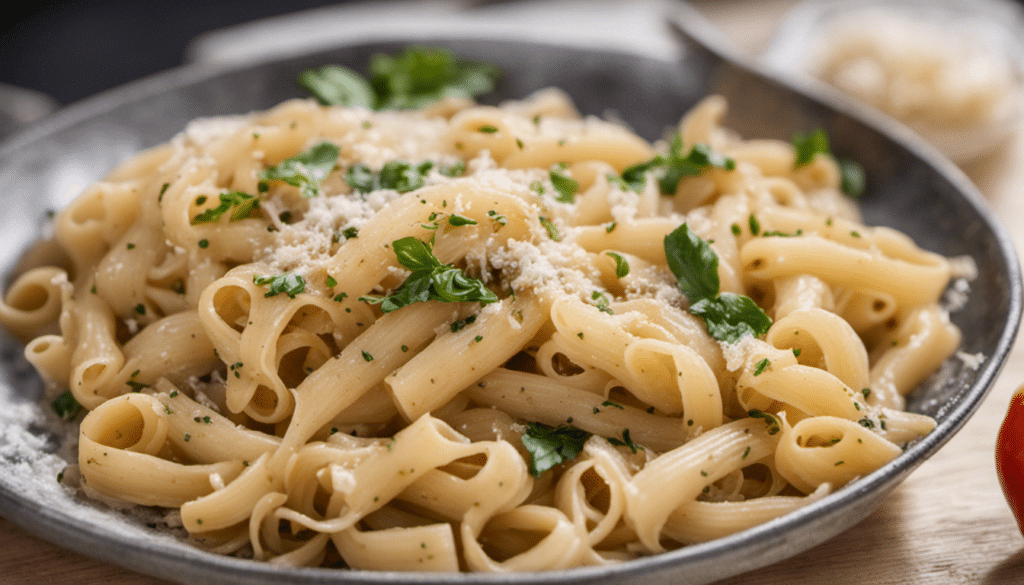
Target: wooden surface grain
948 523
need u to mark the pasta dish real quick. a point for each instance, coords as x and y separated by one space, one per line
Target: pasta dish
477 338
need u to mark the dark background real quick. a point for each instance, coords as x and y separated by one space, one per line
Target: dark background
73 49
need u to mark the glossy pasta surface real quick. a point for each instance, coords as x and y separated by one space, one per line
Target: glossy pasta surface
223 327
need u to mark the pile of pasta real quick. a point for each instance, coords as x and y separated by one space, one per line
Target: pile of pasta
225 332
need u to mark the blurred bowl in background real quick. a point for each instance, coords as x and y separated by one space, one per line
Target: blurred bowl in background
951 71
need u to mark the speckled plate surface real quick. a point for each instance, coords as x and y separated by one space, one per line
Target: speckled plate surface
910 189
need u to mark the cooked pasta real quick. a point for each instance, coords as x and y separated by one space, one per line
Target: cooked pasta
456 338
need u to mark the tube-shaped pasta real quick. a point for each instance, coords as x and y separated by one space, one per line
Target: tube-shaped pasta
450 338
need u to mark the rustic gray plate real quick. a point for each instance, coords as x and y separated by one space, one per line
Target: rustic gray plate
910 189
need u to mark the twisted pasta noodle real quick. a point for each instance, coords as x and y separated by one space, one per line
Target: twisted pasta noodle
118 455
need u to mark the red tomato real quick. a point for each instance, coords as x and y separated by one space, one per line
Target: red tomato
1010 456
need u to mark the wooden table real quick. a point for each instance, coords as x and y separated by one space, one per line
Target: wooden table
948 523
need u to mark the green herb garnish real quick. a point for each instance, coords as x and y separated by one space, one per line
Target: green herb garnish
853 180
305 170
808 145
761 366
565 185
430 280
668 171
417 77
774 426
289 284
621 265
552 229
397 175
241 205
335 85
551 446
626 441
852 177
134 384
65 406
457 220
728 316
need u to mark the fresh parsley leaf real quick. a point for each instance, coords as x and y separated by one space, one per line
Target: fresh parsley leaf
626 441
852 177
621 265
461 323
421 75
635 176
565 185
774 426
334 85
551 446
65 405
808 145
457 220
729 317
240 204
397 175
134 384
671 169
694 264
678 166
456 169
402 176
761 366
552 229
305 170
603 304
430 280
360 178
289 284
417 77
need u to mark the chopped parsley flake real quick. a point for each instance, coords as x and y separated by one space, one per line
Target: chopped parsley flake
626 441
808 145
241 205
551 228
774 426
668 171
457 220
134 384
565 185
602 302
306 170
65 406
760 367
621 265
289 284
396 175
